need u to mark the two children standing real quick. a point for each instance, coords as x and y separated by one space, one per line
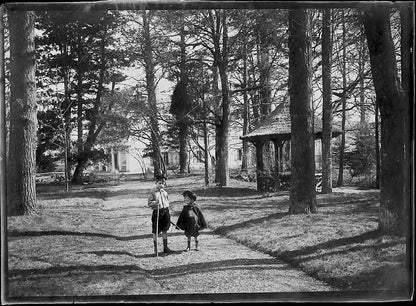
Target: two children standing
191 220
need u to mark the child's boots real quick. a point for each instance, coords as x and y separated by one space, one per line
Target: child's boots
165 247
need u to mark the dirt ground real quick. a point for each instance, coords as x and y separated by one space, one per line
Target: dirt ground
94 244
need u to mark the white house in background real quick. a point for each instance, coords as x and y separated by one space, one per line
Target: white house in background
131 160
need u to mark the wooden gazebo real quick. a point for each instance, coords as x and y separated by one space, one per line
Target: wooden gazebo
276 127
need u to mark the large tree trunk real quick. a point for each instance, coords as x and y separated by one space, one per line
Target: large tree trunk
2 116
327 103
222 125
377 144
206 148
159 167
225 94
79 89
394 130
407 43
244 85
224 131
21 180
302 184
217 120
66 108
340 181
362 58
184 125
183 147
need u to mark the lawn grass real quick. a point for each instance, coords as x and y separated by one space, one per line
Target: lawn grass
339 245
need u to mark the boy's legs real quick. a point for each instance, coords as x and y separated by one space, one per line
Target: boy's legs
189 243
196 243
165 242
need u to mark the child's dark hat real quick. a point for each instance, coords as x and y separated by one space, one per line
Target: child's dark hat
160 178
189 194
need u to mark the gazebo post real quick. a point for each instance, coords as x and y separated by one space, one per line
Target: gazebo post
281 155
277 144
259 163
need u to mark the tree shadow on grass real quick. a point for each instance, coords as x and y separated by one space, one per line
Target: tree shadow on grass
237 206
356 248
15 234
223 230
227 192
359 205
291 256
222 265
162 273
98 193
42 272
149 255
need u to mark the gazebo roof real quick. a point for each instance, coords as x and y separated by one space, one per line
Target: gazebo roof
276 126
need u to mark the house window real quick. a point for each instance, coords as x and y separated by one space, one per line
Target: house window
116 161
123 161
166 158
239 154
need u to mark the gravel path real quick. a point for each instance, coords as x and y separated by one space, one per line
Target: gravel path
220 266
103 247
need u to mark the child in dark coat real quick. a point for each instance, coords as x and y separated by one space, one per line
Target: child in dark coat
191 219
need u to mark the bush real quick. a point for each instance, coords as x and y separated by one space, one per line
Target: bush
45 163
362 159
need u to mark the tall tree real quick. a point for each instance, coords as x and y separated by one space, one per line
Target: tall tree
21 183
55 43
361 63
340 181
180 107
377 144
172 25
264 66
181 104
327 102
149 67
217 23
246 109
3 185
394 130
103 61
407 76
302 184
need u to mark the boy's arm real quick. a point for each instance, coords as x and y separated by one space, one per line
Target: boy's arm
152 202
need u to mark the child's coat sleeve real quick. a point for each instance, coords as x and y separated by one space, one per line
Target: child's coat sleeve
181 221
201 220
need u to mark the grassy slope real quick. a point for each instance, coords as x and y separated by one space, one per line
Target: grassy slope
339 244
